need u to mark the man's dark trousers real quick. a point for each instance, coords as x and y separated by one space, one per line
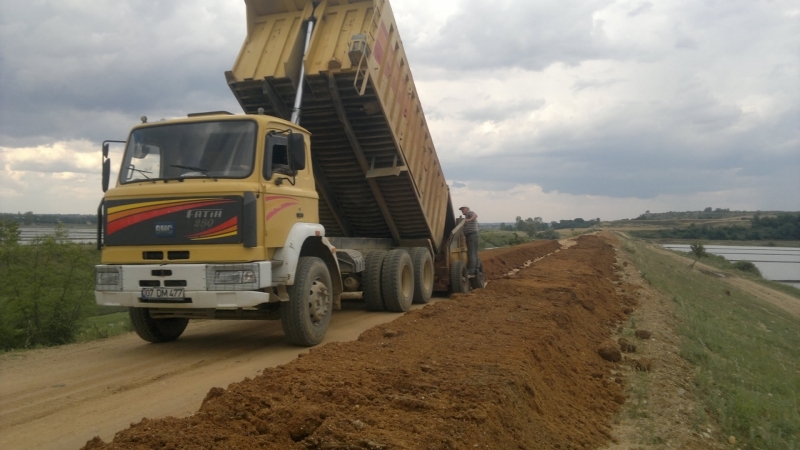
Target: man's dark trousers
472 252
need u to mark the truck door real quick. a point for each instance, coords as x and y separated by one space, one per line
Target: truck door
289 196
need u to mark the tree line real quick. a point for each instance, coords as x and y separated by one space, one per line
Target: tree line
782 227
538 229
29 218
535 228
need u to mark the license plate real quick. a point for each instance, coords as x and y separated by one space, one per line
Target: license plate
162 294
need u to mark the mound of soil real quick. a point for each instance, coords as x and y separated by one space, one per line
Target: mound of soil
499 261
511 366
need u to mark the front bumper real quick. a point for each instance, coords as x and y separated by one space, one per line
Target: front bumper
197 281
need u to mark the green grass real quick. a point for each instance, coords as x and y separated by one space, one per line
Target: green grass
763 243
638 397
497 239
730 268
746 353
105 326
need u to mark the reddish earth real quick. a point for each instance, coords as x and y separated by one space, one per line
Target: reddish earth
512 366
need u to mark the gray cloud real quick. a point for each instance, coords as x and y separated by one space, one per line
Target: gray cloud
641 164
67 67
525 34
49 167
587 84
642 8
659 119
487 110
686 43
700 129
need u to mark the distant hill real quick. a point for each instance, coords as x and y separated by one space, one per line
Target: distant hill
714 225
706 214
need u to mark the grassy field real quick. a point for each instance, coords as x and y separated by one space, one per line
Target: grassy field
105 326
746 353
728 268
764 243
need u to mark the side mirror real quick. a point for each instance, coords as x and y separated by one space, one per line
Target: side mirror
297 151
107 163
106 173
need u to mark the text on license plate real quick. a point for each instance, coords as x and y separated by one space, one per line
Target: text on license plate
162 293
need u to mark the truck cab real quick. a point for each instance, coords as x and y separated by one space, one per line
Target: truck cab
209 218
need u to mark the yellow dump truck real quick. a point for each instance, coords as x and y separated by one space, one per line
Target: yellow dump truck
327 188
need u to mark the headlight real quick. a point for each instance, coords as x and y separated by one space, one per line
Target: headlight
108 278
234 277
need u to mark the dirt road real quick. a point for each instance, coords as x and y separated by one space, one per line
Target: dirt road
61 397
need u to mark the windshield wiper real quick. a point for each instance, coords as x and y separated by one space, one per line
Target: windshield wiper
143 172
192 168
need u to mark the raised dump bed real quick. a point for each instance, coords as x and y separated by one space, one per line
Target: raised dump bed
376 169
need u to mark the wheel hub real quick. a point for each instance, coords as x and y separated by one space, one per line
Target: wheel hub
318 301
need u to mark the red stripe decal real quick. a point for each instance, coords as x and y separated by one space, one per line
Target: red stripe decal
230 223
119 224
279 209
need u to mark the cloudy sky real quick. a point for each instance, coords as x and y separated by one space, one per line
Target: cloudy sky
551 108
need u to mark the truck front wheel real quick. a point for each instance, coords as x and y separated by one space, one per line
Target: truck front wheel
307 314
156 330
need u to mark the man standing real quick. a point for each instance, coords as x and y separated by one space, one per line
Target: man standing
471 233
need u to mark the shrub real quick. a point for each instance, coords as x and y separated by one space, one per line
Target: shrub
45 288
699 252
548 234
747 266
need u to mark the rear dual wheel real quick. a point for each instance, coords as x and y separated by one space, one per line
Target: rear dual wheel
397 281
479 280
459 280
422 262
371 280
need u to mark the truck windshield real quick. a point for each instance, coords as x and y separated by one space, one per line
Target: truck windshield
224 149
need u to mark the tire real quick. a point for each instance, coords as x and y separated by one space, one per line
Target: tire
459 281
307 314
479 280
397 281
371 280
156 330
423 274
